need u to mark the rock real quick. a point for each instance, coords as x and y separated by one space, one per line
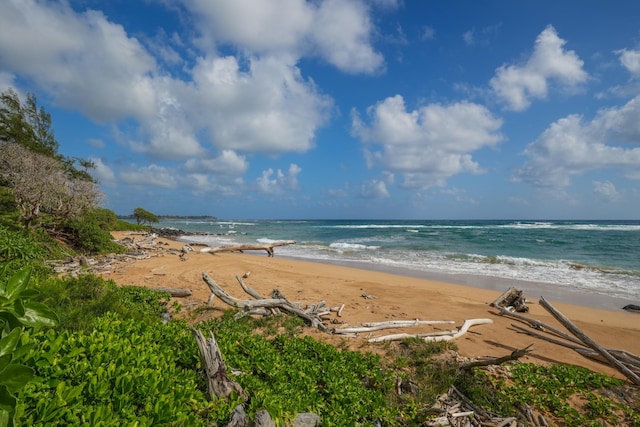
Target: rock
306 419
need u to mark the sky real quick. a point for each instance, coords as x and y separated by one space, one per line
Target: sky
340 109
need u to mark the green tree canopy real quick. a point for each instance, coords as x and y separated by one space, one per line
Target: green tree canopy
143 216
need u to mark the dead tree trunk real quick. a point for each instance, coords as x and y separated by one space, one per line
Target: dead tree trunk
218 382
241 248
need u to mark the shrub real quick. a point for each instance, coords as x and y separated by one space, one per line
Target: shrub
17 312
121 373
81 301
89 237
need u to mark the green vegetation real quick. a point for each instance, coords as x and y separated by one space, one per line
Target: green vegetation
106 357
18 312
143 216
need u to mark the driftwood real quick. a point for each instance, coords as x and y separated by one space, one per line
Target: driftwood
515 355
178 293
241 248
626 363
436 336
512 300
261 306
590 343
376 326
218 382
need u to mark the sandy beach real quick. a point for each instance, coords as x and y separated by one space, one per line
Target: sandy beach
397 297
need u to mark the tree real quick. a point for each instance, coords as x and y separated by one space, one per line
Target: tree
41 185
42 181
143 216
26 125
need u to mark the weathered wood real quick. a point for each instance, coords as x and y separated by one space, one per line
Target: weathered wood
241 248
437 337
178 293
376 326
589 342
218 382
512 297
515 355
536 324
248 305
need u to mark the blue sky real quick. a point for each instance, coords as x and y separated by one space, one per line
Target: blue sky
341 108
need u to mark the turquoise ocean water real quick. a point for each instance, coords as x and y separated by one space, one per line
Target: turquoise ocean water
578 259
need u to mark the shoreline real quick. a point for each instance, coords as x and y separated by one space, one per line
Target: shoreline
532 289
398 297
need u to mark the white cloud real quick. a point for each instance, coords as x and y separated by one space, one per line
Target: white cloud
153 175
468 38
570 147
374 189
85 61
337 31
606 191
342 32
103 173
281 182
268 108
428 33
227 163
516 85
630 59
427 145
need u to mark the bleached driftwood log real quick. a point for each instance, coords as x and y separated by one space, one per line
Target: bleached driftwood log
590 342
436 336
241 248
376 326
178 293
260 306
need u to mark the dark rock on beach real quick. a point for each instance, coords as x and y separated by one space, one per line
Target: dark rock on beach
632 307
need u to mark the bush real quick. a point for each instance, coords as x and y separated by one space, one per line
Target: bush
90 237
122 373
81 301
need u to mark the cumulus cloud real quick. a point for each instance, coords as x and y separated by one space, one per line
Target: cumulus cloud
516 85
102 172
152 175
85 61
266 108
227 163
630 59
606 191
339 32
570 147
374 189
427 145
279 182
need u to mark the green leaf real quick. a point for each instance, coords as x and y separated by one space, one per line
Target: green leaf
15 376
6 418
37 314
7 400
17 283
8 343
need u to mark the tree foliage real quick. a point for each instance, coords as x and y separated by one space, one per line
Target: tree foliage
143 216
41 185
41 181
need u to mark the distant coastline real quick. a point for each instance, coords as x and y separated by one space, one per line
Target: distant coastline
174 217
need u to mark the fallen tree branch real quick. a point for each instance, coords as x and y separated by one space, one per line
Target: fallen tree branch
589 342
376 326
437 336
175 292
241 248
250 305
515 355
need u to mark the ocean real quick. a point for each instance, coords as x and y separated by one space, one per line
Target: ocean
593 263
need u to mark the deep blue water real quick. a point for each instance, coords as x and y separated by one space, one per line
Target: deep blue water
600 257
